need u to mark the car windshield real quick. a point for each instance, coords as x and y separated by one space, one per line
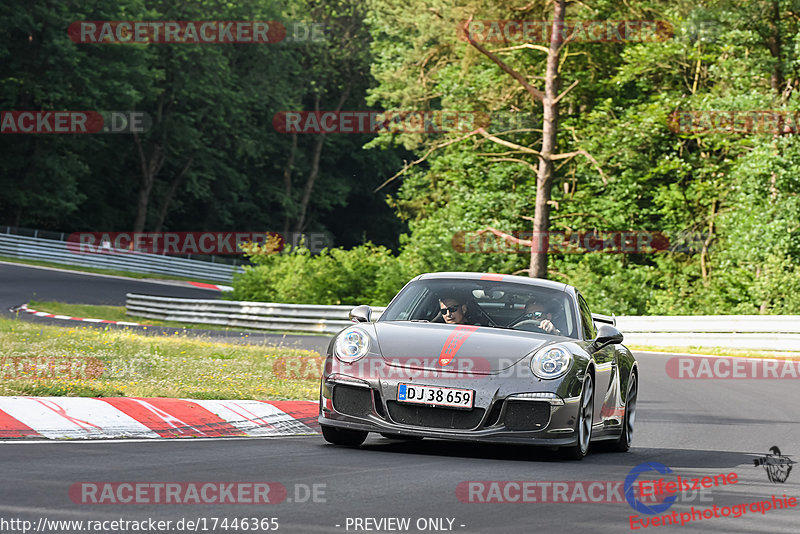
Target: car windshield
488 303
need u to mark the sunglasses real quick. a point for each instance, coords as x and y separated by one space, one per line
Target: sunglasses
536 314
449 309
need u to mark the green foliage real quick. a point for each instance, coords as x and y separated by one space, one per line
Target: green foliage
366 274
729 202
212 107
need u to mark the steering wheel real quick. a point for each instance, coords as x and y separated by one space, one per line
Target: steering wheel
521 318
530 325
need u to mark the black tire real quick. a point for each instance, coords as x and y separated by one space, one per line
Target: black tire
400 437
341 436
626 437
583 423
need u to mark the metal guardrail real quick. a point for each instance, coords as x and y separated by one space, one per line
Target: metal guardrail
242 314
761 332
16 246
729 324
755 332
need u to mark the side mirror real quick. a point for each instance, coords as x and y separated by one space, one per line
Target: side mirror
360 314
606 335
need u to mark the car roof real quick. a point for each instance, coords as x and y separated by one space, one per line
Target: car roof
538 282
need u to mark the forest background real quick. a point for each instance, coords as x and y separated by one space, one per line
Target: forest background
396 203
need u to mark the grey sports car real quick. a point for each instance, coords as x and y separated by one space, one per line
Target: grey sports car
481 357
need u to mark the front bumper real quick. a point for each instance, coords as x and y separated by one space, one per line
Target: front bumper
500 414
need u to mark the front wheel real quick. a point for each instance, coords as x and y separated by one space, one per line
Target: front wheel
342 436
583 424
625 439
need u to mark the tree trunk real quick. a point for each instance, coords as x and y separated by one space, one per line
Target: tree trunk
287 185
149 168
142 201
300 223
707 244
312 177
775 46
544 176
173 187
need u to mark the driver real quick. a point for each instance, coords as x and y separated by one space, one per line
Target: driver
542 311
453 311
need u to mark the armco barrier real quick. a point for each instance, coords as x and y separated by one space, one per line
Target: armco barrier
15 246
755 332
258 315
770 324
762 332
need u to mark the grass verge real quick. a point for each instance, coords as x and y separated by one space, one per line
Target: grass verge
112 272
53 361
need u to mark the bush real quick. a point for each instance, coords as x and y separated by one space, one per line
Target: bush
366 274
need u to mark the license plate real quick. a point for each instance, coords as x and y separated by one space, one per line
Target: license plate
435 396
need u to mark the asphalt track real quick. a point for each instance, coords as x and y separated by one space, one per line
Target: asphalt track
21 283
695 427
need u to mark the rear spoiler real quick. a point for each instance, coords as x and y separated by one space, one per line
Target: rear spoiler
598 318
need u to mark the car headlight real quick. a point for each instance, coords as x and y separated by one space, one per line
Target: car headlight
551 362
351 345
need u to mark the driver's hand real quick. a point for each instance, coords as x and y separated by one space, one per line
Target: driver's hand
547 326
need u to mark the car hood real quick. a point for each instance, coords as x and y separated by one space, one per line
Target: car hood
456 348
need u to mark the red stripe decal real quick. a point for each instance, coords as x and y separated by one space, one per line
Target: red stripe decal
496 277
14 428
305 412
454 342
171 418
